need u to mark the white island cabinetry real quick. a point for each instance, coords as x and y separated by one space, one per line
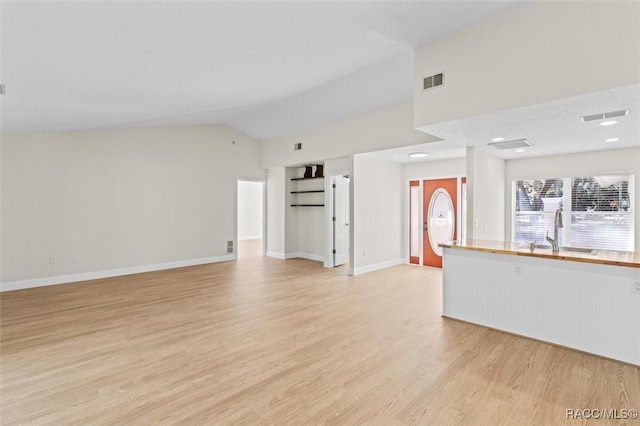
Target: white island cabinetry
581 303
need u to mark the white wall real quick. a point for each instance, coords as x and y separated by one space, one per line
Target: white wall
311 233
276 203
339 165
436 169
293 231
291 223
386 128
536 52
377 214
333 144
107 200
572 165
308 238
250 219
485 195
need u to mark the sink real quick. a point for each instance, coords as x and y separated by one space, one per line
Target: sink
580 250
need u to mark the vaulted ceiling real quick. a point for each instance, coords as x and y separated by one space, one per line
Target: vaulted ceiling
266 68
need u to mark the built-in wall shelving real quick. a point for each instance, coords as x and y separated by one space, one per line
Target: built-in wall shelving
308 178
302 191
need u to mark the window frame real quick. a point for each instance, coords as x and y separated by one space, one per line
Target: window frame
565 234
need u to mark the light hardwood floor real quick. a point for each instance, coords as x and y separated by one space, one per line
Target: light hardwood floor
267 341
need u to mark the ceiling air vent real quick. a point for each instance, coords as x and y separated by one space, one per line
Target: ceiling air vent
604 115
517 143
433 81
620 113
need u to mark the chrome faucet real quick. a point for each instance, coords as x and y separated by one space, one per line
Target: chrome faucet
557 223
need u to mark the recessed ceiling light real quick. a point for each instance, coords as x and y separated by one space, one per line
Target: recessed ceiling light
520 150
418 154
608 123
497 139
612 140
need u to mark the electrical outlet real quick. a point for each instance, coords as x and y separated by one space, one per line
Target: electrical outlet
635 287
52 259
517 270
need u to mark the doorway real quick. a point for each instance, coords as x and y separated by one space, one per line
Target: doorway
434 217
251 219
337 227
340 186
440 207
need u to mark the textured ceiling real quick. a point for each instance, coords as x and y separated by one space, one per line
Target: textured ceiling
267 68
552 127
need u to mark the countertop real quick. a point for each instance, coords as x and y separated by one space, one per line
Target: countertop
606 257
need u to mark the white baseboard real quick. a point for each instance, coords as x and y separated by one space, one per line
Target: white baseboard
276 254
375 267
311 256
280 255
85 276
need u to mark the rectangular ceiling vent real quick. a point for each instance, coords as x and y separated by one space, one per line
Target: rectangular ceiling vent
603 115
433 81
517 143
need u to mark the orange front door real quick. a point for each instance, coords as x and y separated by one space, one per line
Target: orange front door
439 208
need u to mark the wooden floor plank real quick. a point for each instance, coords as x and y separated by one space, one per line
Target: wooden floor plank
267 341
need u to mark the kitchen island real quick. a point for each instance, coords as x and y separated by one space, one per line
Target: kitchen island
589 301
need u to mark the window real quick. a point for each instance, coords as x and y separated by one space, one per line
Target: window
597 211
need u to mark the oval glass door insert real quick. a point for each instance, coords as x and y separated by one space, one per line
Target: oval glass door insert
441 223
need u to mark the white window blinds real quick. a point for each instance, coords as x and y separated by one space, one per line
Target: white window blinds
597 211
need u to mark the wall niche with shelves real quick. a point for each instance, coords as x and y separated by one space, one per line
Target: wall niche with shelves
308 190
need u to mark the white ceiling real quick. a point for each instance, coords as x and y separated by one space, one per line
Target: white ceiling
266 68
552 127
438 150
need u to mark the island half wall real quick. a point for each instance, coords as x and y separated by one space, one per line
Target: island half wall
581 301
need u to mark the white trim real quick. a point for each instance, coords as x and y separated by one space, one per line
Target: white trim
311 256
299 255
86 276
376 266
276 254
421 180
264 215
296 255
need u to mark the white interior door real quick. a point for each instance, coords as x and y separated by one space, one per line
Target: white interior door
341 220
